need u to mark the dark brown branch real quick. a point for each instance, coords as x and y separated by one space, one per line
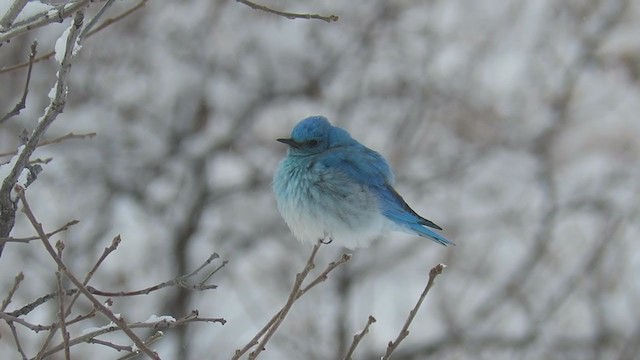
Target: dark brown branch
157 325
16 282
23 101
7 204
105 24
33 327
55 141
61 314
297 292
43 19
153 338
404 332
119 321
32 238
108 250
114 19
11 15
287 306
280 314
39 301
358 337
288 15
112 345
180 281
17 340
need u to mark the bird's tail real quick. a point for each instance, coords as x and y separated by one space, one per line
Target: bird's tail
428 233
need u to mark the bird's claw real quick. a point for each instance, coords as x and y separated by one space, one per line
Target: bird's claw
323 241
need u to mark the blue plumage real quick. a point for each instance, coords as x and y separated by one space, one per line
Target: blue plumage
334 188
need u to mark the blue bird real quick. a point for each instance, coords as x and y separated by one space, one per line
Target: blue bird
331 187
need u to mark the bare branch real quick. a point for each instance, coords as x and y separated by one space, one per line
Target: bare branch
56 141
7 204
179 281
324 274
63 11
105 24
61 314
358 337
11 15
279 316
288 15
293 296
95 19
153 338
16 282
23 101
296 292
33 327
31 238
117 18
157 325
119 321
108 250
404 332
15 338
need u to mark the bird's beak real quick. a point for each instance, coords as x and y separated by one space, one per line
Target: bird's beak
289 142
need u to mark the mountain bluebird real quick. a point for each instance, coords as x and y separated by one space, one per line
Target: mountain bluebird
331 187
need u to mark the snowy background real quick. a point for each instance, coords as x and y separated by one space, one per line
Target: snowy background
513 125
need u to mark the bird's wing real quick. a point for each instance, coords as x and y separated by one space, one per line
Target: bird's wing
360 163
370 169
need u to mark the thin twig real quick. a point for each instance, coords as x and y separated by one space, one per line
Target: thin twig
80 318
206 278
23 101
295 294
157 325
114 19
292 296
11 14
116 347
404 332
358 337
153 338
119 321
33 327
287 306
61 315
15 338
39 301
114 244
289 15
55 141
52 330
55 108
105 24
179 281
16 282
324 274
32 238
62 323
64 11
107 250
95 19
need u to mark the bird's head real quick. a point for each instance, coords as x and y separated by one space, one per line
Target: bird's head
314 135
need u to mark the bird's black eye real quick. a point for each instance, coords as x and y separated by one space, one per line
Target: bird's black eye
313 142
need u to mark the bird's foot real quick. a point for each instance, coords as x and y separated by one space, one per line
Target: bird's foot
324 241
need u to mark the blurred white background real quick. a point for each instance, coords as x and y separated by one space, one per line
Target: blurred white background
513 125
